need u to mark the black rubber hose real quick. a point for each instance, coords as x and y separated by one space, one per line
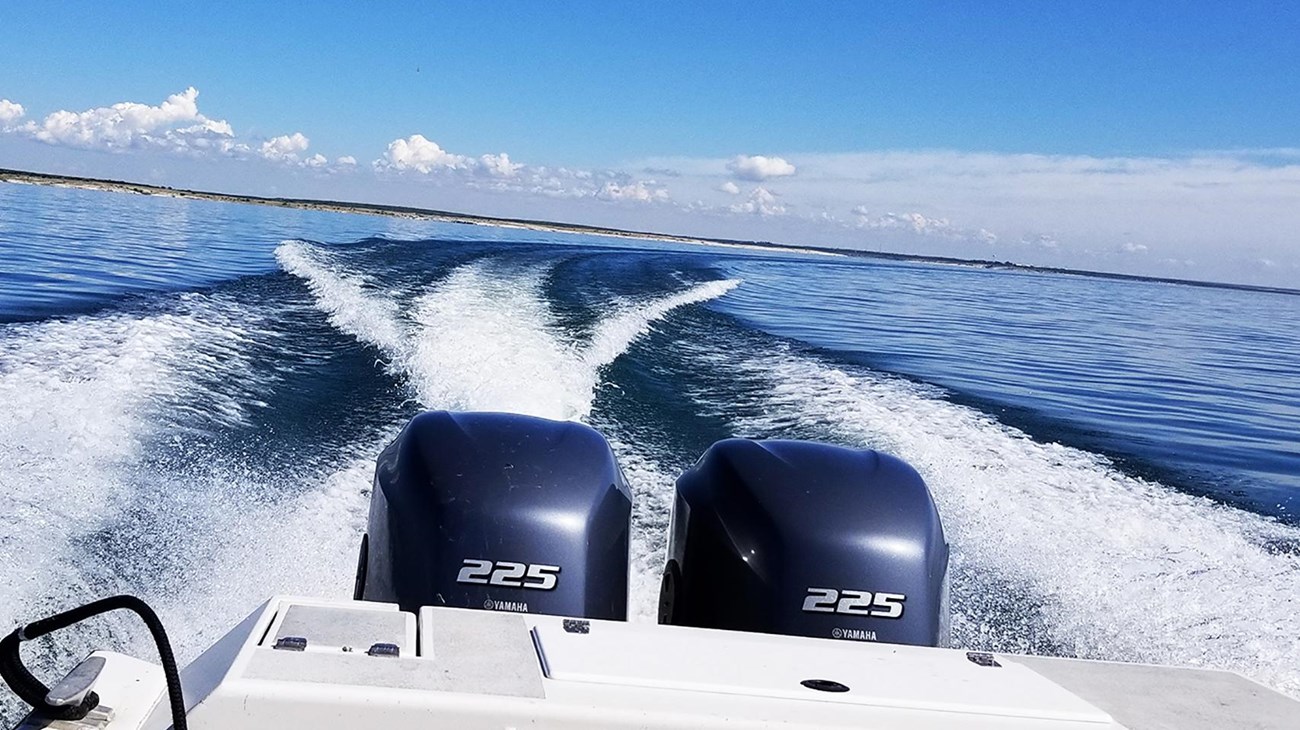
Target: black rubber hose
33 692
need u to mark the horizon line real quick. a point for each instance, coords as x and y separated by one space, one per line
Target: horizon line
9 175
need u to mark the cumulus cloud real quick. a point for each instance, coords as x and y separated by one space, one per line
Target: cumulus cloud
760 202
1131 247
730 188
175 123
10 112
346 161
420 154
286 147
498 165
759 168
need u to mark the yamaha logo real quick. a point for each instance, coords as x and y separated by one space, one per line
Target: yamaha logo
853 634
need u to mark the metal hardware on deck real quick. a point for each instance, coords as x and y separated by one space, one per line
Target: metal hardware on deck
825 685
291 643
384 649
100 718
72 689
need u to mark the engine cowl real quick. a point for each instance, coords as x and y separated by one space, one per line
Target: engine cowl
806 539
498 511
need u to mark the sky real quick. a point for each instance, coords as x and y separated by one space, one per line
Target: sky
1148 138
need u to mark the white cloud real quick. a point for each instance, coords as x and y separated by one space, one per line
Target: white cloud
175 126
915 222
498 165
208 127
498 173
638 191
346 161
730 188
286 147
760 202
10 112
420 154
423 155
759 168
175 123
1131 247
924 225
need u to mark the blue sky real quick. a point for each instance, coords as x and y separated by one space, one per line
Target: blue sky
882 112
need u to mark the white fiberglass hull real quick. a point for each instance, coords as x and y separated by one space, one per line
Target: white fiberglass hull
457 668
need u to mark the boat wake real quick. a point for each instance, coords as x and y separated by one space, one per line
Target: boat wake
483 337
83 399
112 483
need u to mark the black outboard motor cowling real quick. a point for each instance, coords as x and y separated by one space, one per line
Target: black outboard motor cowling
807 539
498 511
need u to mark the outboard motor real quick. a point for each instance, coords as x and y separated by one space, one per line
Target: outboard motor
806 539
498 511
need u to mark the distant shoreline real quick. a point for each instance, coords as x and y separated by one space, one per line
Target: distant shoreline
397 211
392 211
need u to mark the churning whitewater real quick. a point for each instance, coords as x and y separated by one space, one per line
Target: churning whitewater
211 445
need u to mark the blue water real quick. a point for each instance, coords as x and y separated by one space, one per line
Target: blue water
193 392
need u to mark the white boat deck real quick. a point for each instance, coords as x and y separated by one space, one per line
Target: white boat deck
458 668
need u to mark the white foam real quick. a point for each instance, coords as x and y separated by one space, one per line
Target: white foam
632 320
484 337
1116 567
652 491
486 340
304 545
91 404
80 397
351 300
